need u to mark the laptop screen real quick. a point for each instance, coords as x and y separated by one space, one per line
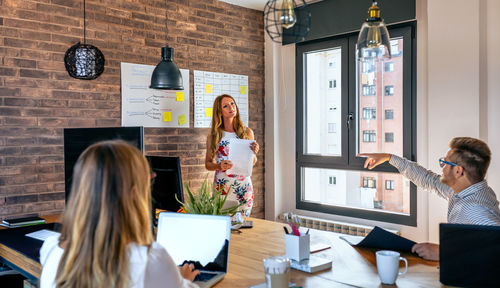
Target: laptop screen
199 239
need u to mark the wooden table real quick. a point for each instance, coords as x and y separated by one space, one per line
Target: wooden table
351 267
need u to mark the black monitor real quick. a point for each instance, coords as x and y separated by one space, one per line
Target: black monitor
76 140
167 183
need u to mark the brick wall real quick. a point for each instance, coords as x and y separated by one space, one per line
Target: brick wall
38 98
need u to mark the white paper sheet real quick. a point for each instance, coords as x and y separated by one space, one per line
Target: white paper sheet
242 157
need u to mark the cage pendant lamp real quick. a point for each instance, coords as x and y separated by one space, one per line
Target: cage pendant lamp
373 40
166 74
84 61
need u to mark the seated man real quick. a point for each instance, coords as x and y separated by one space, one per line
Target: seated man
470 199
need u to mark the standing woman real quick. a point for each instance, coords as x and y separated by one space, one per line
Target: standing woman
227 125
106 238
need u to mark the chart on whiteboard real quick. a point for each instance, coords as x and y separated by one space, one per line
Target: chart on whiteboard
209 85
143 106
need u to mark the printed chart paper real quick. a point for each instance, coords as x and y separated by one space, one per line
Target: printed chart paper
242 157
209 85
143 106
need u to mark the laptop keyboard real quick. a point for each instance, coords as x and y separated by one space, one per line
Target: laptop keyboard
204 276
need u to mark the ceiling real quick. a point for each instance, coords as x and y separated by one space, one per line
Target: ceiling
252 4
257 4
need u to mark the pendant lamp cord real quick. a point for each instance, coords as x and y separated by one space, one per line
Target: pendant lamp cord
166 22
84 25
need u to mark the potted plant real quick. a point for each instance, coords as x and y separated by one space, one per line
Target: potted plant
208 200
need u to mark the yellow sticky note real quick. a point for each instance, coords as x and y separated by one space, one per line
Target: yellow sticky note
208 89
181 119
243 90
208 112
180 96
167 116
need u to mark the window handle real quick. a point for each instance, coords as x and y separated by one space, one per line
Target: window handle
350 117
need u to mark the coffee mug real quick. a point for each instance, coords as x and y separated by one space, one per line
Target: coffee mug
388 266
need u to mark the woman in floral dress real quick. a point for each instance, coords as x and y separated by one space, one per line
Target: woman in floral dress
227 125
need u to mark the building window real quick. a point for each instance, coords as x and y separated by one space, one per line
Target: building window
332 180
368 67
369 90
332 127
389 184
321 153
389 137
369 136
369 182
389 114
369 113
389 67
389 90
332 84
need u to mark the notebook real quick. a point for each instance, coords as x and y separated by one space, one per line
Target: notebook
469 255
199 239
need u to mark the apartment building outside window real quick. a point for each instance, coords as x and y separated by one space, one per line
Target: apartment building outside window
389 184
389 90
369 90
389 114
389 137
369 136
389 67
369 113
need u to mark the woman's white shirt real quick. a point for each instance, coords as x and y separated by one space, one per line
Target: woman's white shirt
147 269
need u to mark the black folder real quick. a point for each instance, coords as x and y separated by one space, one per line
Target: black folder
15 238
382 239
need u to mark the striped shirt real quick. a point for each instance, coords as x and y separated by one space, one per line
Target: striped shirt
476 204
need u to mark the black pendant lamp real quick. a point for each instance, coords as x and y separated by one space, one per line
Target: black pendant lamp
84 61
166 74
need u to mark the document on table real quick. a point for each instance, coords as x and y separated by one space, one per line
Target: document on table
242 157
381 239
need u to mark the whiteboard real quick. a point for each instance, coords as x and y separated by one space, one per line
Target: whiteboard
209 85
143 106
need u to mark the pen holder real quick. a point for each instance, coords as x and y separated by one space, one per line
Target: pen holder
297 247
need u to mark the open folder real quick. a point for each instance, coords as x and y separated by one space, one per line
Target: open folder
380 239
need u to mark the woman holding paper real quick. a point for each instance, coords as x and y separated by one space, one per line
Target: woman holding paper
227 125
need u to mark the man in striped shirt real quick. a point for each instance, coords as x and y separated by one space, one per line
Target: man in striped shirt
470 199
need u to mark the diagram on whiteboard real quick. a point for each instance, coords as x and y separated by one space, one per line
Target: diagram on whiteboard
142 106
209 85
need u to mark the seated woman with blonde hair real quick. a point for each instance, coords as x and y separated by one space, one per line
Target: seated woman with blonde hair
106 238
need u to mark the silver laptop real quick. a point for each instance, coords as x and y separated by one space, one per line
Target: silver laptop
199 239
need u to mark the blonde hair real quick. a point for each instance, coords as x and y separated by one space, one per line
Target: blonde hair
217 127
108 209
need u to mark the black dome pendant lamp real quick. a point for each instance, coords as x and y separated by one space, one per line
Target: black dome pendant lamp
84 61
166 74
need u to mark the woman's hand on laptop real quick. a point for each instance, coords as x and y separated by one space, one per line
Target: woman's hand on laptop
188 271
428 251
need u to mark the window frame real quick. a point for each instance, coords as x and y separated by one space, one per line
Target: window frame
349 110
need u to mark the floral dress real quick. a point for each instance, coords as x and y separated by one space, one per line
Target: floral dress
241 186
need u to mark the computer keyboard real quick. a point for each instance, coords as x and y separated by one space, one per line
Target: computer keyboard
204 276
42 234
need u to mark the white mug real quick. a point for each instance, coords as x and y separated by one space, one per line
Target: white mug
388 266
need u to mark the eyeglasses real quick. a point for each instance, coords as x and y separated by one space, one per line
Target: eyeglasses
443 162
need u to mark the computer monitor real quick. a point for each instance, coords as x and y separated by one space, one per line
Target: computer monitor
76 140
167 184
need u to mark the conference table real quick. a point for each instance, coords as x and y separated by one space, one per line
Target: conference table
351 267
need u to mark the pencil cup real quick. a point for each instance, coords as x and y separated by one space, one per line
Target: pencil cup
297 247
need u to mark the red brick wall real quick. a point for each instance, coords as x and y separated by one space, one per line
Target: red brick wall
38 98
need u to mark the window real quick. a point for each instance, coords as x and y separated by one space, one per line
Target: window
332 180
389 67
322 153
368 67
332 84
369 90
389 137
389 184
369 136
332 127
389 114
369 182
389 90
369 113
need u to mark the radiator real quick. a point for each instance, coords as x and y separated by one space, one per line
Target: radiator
334 226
